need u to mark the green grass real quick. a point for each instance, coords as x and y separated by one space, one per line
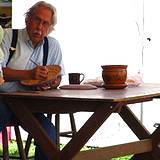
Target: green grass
123 158
13 151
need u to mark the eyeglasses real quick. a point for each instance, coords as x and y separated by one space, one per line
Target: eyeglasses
39 21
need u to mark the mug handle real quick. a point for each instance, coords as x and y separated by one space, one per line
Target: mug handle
83 76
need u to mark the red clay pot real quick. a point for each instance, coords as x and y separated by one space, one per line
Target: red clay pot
114 74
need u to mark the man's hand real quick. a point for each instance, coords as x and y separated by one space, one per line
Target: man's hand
39 73
52 84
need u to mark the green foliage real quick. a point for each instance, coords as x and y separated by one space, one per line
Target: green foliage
123 158
13 149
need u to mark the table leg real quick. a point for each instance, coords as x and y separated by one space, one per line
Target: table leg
86 131
30 123
156 143
141 132
134 123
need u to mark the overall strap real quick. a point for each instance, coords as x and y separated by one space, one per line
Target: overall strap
13 44
45 51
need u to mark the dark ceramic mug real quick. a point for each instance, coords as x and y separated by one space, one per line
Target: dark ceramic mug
76 78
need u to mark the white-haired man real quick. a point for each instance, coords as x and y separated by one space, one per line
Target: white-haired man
27 61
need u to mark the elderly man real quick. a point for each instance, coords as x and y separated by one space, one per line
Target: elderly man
27 61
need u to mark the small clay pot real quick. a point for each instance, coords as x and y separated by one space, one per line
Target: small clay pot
114 74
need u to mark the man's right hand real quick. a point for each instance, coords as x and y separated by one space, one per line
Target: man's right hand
39 73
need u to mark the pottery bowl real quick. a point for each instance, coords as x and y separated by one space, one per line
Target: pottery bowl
114 74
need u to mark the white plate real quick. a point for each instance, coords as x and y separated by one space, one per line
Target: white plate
78 86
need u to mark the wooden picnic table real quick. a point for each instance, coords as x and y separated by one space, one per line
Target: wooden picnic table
102 103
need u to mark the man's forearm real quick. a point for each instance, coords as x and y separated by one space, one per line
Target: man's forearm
13 75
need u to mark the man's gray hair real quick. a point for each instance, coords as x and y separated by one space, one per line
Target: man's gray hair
31 12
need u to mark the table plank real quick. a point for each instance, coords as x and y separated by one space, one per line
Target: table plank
127 95
106 153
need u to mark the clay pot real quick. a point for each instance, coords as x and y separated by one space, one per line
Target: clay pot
114 74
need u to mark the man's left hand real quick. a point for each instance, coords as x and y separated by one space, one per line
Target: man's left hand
51 84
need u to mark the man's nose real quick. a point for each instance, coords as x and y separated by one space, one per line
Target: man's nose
40 25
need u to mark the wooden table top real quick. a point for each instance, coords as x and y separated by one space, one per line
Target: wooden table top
128 94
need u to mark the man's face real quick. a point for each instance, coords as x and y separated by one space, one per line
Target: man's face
39 24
